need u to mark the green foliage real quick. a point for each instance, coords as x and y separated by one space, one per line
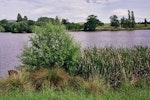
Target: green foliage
20 27
19 17
2 29
64 21
25 18
23 26
31 22
128 22
51 46
124 22
74 26
114 22
44 20
15 27
132 20
5 24
145 22
92 23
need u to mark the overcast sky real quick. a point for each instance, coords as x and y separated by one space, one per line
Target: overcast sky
74 10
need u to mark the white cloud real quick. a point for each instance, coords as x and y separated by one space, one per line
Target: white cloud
41 10
120 12
101 1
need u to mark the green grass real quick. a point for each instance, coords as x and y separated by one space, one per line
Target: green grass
129 94
107 27
142 26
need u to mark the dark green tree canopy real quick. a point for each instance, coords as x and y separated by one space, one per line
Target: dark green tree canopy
19 17
92 23
145 22
25 18
5 24
64 21
128 22
114 22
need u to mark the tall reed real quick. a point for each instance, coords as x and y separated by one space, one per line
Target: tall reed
115 65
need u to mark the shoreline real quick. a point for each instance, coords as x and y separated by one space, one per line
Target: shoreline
97 30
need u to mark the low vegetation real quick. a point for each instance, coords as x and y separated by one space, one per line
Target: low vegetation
116 66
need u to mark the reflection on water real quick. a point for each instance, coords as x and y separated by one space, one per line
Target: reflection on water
11 44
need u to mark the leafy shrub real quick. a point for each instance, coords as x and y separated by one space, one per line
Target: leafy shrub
51 46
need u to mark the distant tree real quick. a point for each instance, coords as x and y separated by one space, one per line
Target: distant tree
124 22
23 27
25 18
15 27
132 20
19 17
20 27
74 26
31 22
145 22
64 21
92 23
128 22
129 19
2 29
5 24
44 20
114 22
57 20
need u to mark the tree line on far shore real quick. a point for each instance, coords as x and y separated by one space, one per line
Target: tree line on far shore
24 25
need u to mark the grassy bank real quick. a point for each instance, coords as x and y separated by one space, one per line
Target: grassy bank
107 27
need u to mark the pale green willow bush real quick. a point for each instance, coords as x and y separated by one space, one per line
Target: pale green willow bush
51 46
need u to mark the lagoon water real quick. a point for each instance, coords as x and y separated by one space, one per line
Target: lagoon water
12 44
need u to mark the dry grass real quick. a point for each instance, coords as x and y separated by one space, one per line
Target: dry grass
55 78
17 82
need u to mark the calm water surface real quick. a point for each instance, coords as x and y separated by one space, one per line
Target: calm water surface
11 44
115 39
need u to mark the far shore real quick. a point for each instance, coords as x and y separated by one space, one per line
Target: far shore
102 28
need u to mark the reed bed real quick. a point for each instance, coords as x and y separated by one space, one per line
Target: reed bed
116 65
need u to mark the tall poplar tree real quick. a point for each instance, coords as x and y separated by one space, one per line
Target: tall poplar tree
132 20
19 17
129 19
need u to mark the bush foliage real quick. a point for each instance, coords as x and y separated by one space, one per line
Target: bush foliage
51 46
